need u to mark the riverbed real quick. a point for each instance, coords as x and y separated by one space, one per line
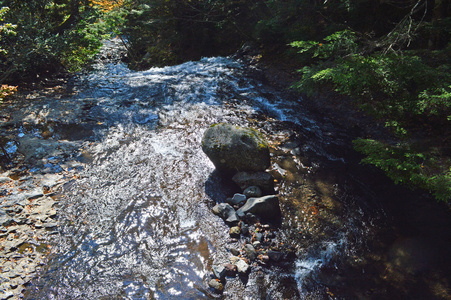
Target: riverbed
128 207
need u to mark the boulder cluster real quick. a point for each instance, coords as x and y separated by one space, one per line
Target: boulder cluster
253 214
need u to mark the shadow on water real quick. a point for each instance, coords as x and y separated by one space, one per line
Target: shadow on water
219 187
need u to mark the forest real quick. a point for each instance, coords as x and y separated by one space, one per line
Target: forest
390 59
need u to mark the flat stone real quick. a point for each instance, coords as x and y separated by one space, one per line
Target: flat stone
5 219
50 225
37 193
266 207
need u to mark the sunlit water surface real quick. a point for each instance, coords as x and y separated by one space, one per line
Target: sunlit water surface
137 223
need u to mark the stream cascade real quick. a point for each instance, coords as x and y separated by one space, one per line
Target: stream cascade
136 221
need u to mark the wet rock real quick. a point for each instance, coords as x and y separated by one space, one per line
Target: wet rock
263 180
234 251
242 266
275 255
252 192
244 229
4 179
35 194
230 269
266 207
227 213
235 232
216 285
263 258
219 272
250 251
233 148
250 218
258 237
5 219
237 199
50 225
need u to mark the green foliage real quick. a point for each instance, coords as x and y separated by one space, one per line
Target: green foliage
50 36
401 89
5 28
406 166
390 86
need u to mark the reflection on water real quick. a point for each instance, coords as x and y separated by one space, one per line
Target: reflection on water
137 224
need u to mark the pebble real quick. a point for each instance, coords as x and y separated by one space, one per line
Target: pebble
275 255
245 229
235 232
216 285
256 244
234 251
250 251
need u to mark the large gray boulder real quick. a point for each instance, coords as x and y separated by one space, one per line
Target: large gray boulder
233 148
266 207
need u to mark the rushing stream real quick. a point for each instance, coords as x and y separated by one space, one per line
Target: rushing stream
137 222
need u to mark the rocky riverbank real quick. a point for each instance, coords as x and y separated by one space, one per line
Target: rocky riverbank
38 157
28 218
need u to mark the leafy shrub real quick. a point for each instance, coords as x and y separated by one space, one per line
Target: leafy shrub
406 166
7 90
399 88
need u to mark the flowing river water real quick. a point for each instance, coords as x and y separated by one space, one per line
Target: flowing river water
136 222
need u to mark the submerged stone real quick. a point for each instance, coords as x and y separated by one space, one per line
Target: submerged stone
232 148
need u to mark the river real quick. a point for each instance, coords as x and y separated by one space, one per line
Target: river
137 223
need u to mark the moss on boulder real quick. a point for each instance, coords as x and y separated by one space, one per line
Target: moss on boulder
233 148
